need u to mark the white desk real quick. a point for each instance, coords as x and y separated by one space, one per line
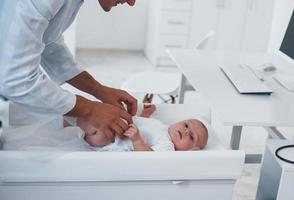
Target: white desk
201 69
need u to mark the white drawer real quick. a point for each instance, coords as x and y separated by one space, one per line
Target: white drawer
171 41
175 22
177 4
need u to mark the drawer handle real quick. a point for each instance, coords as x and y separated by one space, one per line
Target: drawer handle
176 22
173 46
178 182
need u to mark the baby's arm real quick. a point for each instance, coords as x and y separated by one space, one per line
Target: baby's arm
138 142
148 110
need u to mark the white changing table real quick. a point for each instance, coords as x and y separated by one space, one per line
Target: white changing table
206 174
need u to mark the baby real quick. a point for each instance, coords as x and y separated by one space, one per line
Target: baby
148 134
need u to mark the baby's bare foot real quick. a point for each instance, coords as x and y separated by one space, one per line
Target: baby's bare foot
148 110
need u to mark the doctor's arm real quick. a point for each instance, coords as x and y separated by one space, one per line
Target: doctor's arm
61 67
85 82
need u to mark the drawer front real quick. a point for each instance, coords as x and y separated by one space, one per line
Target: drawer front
177 4
175 22
171 41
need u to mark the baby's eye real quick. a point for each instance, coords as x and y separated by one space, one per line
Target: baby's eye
186 125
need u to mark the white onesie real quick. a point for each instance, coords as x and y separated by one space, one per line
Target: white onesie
153 132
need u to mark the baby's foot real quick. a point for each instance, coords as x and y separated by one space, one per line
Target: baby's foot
148 110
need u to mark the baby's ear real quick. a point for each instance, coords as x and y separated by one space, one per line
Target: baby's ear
195 149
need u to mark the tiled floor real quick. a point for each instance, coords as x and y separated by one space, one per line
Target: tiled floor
114 67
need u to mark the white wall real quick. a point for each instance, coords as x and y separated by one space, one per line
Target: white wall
122 28
282 14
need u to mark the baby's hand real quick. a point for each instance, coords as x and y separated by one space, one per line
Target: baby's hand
148 110
133 133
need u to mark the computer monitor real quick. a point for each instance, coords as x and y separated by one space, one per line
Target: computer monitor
287 46
287 51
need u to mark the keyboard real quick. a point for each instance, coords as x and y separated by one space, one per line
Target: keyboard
245 80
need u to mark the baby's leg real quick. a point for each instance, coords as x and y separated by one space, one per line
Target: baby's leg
93 136
97 140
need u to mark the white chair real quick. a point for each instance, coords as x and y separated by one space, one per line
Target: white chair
162 83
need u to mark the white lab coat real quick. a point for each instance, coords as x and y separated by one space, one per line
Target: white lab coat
30 36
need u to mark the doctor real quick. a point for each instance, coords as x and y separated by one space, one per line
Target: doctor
30 37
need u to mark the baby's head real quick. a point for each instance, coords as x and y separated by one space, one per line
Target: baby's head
188 134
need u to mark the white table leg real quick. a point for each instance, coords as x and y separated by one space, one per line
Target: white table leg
275 133
235 144
182 89
236 137
253 158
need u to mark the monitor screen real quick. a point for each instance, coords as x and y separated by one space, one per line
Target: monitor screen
287 46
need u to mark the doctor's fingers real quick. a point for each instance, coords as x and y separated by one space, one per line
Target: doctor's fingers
132 107
131 102
133 126
117 130
126 116
122 124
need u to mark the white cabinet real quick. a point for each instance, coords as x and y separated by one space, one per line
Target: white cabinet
258 22
239 25
168 27
230 25
205 17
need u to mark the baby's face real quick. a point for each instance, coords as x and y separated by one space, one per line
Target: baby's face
188 134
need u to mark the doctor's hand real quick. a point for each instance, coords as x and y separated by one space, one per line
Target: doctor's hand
117 98
108 119
85 82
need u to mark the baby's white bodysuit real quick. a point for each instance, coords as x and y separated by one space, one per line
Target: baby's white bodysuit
153 132
52 136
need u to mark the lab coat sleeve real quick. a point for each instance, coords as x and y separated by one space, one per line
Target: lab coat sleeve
21 78
58 62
